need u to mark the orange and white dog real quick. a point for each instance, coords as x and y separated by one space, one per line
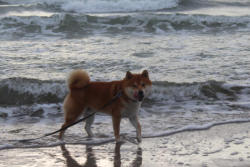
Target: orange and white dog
86 95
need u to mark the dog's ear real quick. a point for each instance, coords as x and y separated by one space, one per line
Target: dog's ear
129 75
145 73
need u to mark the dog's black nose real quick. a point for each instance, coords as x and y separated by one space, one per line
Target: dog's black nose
140 95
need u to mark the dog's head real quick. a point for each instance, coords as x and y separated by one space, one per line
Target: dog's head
137 86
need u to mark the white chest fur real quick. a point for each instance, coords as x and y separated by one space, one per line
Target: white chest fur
130 109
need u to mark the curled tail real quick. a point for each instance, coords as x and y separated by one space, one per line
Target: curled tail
78 79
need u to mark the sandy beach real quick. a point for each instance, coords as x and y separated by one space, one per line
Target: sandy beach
220 146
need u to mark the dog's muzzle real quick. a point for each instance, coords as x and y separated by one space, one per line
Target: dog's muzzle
140 95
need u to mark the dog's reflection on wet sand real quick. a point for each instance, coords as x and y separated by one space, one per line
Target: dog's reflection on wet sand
71 162
117 158
91 159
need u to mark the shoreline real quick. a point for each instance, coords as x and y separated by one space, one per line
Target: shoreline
96 141
221 145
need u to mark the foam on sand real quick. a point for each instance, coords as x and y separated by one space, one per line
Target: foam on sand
226 145
13 144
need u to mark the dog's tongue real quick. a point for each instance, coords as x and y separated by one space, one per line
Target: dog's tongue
136 95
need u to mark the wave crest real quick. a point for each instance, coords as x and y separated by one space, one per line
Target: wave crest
209 90
107 6
81 24
22 91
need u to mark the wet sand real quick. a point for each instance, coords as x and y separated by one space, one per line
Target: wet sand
221 146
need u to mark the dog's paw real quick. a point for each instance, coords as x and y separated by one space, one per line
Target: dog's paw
90 135
120 140
138 139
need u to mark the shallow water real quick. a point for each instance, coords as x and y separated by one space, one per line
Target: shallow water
196 52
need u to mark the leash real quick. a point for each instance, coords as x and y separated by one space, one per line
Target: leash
118 95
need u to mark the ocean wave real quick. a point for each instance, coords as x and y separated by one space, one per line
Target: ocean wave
118 5
23 91
111 6
209 90
102 6
81 24
3 3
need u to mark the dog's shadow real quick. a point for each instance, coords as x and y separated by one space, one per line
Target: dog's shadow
91 160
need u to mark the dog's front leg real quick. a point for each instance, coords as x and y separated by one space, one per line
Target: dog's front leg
116 126
135 122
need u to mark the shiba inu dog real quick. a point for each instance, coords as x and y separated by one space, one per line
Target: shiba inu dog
86 95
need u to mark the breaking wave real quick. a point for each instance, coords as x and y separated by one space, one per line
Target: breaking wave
209 90
75 24
23 91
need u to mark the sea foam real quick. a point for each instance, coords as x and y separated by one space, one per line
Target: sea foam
127 137
98 6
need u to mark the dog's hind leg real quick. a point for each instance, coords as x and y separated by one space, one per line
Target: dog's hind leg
89 122
71 115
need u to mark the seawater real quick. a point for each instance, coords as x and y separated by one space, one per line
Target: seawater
196 52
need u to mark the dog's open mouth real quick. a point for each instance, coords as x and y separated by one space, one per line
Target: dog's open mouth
139 96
